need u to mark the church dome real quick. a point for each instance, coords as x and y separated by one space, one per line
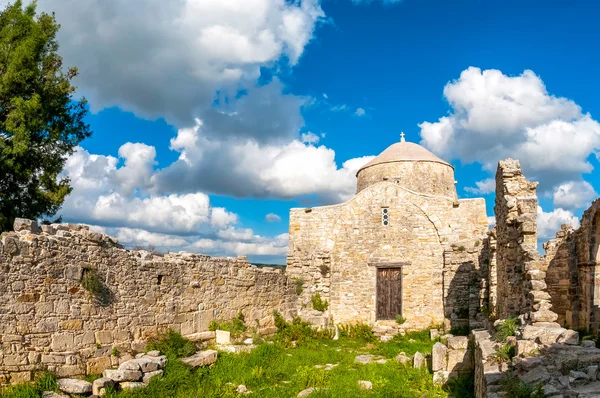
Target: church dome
411 166
404 152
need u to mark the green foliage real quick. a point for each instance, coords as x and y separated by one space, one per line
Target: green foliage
43 382
463 386
324 268
299 285
273 371
318 303
95 286
516 388
400 319
236 326
92 376
40 122
115 353
173 345
507 328
410 343
298 332
505 353
309 376
358 331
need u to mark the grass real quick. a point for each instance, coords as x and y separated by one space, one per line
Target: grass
275 369
236 326
507 328
43 382
318 303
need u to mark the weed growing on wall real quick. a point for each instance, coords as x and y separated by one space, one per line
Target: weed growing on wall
95 286
173 345
236 326
507 328
318 303
299 285
400 319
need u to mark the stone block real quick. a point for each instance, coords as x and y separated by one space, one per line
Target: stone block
25 225
74 386
460 360
223 337
201 358
419 360
69 370
104 337
122 375
439 357
131 385
20 377
62 342
72 324
99 386
201 336
458 342
98 365
150 375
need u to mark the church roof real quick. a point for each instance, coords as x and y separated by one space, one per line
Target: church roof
404 152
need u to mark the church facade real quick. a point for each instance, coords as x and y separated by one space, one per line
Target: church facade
403 247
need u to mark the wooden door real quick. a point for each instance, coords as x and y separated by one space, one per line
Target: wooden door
389 293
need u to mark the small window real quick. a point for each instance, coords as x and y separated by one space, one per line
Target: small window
385 217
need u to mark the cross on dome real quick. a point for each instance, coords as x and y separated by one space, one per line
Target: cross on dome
402 137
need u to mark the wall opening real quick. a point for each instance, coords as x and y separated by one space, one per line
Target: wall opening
389 293
595 243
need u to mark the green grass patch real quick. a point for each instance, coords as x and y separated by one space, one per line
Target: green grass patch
173 345
236 326
43 382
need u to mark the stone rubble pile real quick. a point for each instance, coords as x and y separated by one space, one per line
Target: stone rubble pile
130 374
547 355
451 359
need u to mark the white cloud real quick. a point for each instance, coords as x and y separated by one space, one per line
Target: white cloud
483 187
325 96
338 108
272 217
491 221
549 223
360 112
495 116
246 168
574 194
220 217
167 59
309 138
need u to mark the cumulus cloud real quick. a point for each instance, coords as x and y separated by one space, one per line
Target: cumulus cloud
360 112
102 198
574 194
549 223
495 116
272 217
246 168
167 59
483 187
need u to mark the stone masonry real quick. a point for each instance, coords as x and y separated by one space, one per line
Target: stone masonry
49 321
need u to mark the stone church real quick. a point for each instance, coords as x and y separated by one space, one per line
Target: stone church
404 245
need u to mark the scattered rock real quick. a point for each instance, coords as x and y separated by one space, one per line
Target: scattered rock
403 359
201 336
440 377
148 376
364 359
458 342
536 375
411 340
153 353
386 338
74 386
588 343
201 358
365 385
122 375
99 386
434 334
592 370
52 394
306 393
249 341
419 360
576 375
241 389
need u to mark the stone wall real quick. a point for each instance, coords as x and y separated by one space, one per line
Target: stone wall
521 271
573 275
49 321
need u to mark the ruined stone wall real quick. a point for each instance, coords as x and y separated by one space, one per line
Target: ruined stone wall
520 269
430 178
49 321
353 239
573 275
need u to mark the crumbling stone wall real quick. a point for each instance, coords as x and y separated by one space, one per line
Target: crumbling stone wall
49 321
573 276
521 271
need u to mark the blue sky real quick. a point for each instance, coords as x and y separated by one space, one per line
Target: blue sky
222 112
